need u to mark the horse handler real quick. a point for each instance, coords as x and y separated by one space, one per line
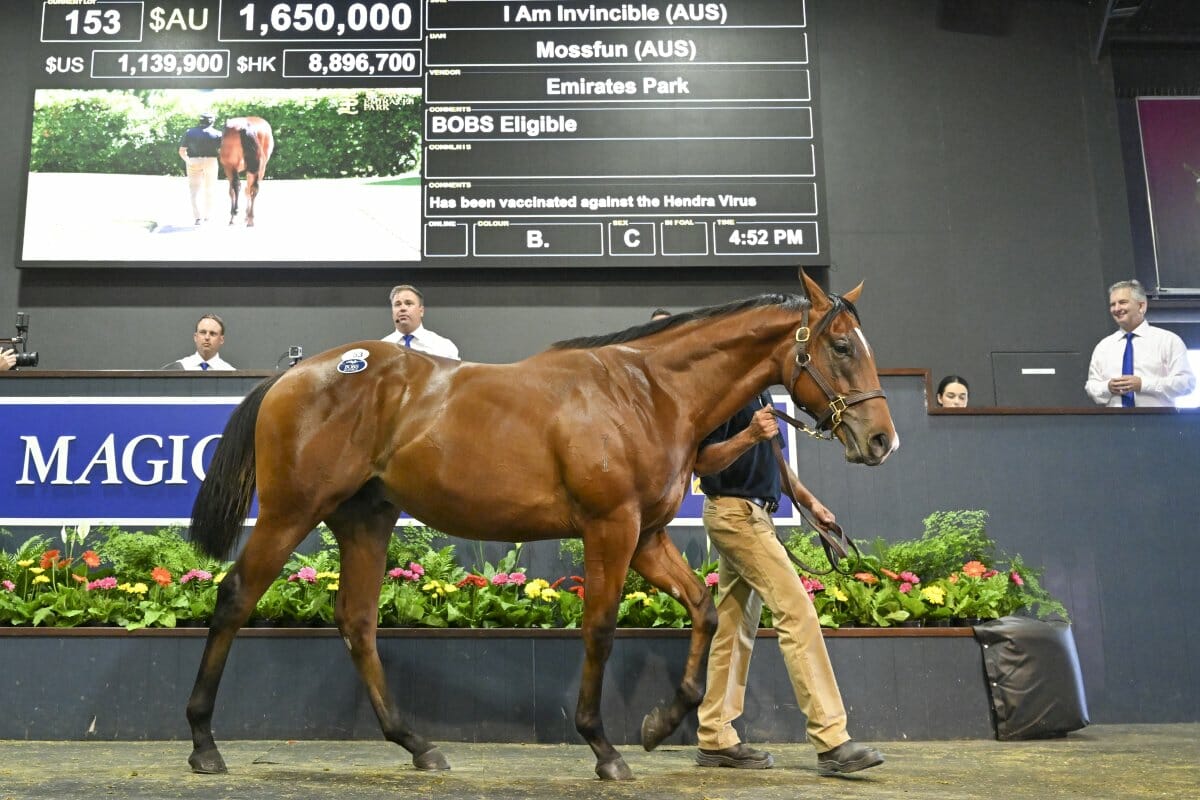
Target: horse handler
741 482
199 148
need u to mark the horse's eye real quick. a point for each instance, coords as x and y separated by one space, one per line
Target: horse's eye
841 347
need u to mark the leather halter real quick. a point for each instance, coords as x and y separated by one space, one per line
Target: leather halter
837 403
836 544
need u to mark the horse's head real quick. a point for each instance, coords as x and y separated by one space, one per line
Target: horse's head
831 374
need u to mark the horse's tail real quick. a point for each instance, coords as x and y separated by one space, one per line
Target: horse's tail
224 497
251 153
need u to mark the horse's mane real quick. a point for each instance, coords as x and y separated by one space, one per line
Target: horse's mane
791 302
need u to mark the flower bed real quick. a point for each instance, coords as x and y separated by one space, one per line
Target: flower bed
952 574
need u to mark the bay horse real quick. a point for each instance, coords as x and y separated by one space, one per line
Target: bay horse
246 146
593 438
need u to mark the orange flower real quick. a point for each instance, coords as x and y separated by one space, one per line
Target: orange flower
79 578
91 559
890 574
953 578
974 569
866 577
48 559
161 576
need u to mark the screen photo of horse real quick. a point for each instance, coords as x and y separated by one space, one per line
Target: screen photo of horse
296 175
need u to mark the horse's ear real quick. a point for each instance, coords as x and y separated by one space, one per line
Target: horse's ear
812 290
853 294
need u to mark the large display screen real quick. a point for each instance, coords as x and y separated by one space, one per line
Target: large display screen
451 133
1170 134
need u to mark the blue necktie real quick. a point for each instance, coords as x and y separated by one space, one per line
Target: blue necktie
204 365
1127 369
408 340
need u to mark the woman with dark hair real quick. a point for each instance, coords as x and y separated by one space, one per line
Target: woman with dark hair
952 392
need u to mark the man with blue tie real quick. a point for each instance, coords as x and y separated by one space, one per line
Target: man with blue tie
209 338
1139 364
408 314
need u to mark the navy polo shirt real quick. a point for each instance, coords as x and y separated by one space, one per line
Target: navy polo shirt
754 473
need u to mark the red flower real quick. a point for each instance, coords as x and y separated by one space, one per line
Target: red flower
48 559
866 577
473 580
161 576
1016 578
558 582
577 591
91 559
989 574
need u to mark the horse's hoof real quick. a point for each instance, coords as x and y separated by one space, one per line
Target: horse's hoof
616 770
655 728
207 762
431 760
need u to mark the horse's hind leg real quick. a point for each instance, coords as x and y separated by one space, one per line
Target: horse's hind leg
259 564
363 536
659 562
234 189
251 193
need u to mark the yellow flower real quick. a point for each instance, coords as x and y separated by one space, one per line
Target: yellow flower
334 575
37 570
333 587
934 594
549 594
636 596
450 588
220 577
430 586
534 588
135 588
25 563
41 579
838 594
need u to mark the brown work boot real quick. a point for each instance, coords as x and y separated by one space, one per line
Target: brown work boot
740 756
849 756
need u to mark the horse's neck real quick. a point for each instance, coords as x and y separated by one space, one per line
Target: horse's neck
712 368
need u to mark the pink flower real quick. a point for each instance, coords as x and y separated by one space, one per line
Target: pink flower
400 572
905 587
811 584
9 585
103 583
499 579
306 574
711 579
909 577
990 574
516 578
196 575
1016 578
416 569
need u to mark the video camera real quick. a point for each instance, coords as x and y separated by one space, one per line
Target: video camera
20 343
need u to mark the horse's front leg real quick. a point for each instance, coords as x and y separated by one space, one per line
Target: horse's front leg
363 544
607 550
659 562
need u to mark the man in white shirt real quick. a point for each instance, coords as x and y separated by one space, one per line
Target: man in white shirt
408 311
1139 364
209 338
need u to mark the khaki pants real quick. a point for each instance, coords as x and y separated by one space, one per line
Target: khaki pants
202 183
754 568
